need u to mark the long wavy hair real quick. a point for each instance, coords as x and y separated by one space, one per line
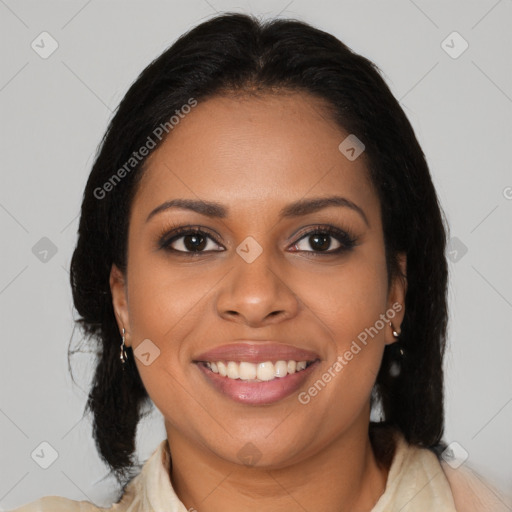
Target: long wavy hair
233 54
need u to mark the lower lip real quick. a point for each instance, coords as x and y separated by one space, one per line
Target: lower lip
257 393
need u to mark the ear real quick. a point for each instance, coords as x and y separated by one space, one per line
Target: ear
396 299
118 290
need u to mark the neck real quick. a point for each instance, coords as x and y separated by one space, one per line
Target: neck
343 476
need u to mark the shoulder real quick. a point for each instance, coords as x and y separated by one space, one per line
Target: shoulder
420 475
472 492
58 504
143 488
61 504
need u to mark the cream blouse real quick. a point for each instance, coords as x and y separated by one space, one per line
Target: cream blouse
417 482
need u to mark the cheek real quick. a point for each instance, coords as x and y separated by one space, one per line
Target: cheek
167 306
350 297
349 302
163 297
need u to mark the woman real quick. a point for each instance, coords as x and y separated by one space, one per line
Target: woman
261 254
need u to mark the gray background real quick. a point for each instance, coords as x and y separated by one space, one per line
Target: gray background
55 110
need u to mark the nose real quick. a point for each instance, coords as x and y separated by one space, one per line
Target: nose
256 294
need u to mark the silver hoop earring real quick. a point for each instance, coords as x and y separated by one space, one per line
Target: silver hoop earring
396 366
395 333
123 355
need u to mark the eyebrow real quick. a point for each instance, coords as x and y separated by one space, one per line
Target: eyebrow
296 209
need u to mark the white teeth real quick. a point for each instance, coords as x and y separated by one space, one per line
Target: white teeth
232 370
247 371
222 368
266 371
259 372
281 368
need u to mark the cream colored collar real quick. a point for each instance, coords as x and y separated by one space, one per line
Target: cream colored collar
416 482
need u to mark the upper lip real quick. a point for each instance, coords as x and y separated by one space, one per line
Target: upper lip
256 352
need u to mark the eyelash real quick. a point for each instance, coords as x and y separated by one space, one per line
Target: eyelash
175 232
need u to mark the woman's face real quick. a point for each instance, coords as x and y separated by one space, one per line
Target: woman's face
274 278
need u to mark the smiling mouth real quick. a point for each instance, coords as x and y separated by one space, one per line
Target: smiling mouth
256 372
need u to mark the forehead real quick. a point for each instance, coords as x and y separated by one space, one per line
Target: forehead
248 150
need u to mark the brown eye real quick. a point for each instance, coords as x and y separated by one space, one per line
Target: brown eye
189 241
195 242
320 241
325 240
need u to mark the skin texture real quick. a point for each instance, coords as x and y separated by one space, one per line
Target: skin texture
255 155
